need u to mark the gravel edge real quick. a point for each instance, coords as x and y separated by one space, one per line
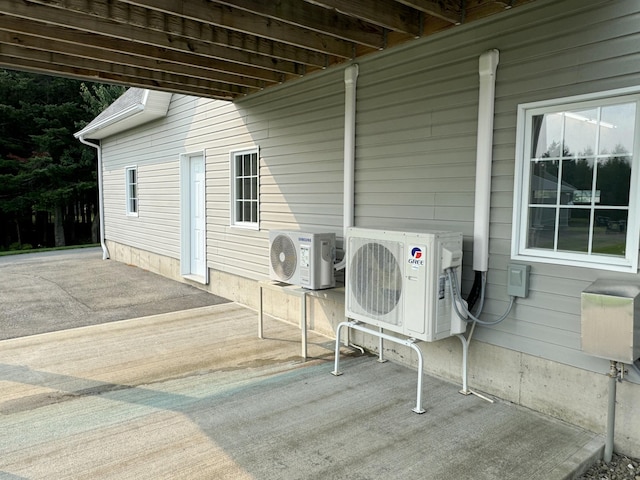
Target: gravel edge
621 467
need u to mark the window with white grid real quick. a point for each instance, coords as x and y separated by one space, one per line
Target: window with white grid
576 186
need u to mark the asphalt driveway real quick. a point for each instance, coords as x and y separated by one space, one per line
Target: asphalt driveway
51 291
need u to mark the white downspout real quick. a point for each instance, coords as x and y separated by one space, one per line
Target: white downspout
487 69
350 78
105 251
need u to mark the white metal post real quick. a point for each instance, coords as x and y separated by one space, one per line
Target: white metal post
411 343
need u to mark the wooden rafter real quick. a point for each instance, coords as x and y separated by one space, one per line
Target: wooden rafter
216 48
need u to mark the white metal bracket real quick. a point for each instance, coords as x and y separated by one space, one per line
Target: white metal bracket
411 343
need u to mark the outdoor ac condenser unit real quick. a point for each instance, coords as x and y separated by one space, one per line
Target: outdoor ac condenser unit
302 258
396 280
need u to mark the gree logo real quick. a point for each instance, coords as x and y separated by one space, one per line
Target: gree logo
415 259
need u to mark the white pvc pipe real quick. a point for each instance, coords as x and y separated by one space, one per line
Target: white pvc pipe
465 362
488 64
350 78
105 251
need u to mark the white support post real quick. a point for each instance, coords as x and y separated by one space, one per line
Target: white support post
411 343
381 358
465 352
303 322
290 290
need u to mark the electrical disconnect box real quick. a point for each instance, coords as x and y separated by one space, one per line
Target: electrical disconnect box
518 280
611 320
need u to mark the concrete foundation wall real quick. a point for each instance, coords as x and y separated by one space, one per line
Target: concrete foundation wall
571 394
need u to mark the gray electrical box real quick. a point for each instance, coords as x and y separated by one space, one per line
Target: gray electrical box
518 280
611 320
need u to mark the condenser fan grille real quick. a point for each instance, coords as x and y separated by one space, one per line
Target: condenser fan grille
283 257
375 279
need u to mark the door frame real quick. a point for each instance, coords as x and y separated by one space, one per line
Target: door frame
185 218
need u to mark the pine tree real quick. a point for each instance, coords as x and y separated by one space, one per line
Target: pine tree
46 175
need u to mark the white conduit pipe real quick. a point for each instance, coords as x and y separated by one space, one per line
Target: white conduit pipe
105 251
487 69
350 78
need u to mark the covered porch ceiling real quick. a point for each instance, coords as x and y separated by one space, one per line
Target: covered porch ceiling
217 49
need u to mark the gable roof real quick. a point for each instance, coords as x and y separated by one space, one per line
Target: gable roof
135 107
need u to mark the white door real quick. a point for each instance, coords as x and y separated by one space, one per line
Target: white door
197 230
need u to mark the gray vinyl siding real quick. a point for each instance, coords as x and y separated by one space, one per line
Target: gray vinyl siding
415 154
416 142
155 149
157 226
568 48
299 131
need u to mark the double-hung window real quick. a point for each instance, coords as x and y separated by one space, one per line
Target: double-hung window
576 183
131 190
244 188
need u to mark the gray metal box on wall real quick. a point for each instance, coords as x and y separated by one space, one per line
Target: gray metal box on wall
611 320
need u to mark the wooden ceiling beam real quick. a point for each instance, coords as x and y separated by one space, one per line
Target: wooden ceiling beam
74 49
150 52
80 73
168 32
449 10
113 72
314 18
215 48
273 51
210 13
389 14
476 9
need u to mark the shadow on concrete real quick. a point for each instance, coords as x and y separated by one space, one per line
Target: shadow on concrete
249 410
186 392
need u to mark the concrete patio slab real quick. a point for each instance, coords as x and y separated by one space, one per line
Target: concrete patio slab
196 395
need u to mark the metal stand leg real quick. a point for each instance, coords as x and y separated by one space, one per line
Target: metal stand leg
260 307
381 358
465 352
465 356
409 343
302 293
336 366
303 323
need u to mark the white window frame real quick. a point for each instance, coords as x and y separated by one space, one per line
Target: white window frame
519 250
132 203
235 199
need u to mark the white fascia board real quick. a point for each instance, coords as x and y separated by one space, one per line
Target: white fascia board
100 130
153 106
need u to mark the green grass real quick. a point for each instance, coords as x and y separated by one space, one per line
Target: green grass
617 249
573 238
